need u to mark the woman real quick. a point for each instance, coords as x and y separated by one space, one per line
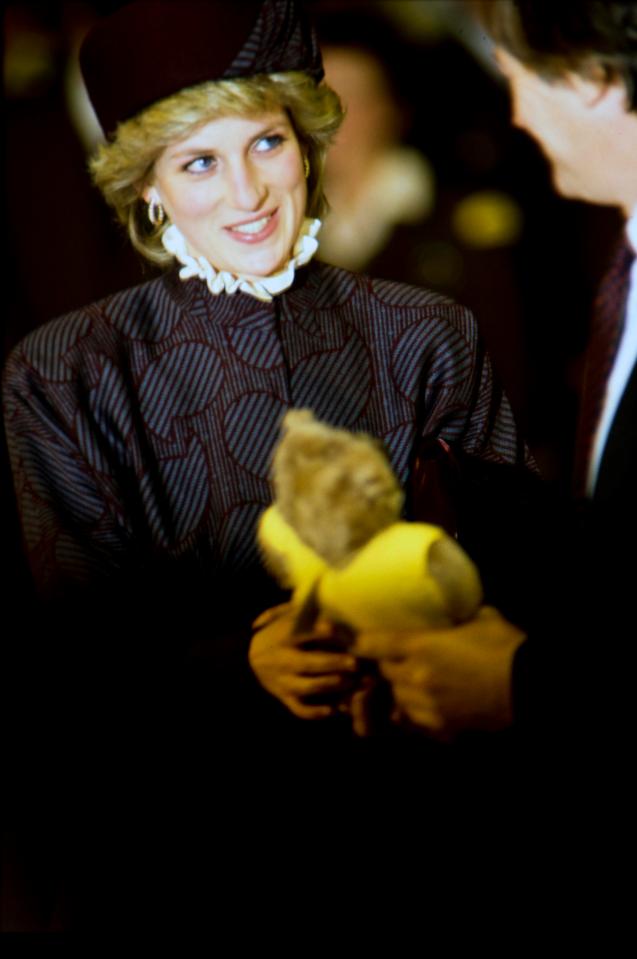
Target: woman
141 427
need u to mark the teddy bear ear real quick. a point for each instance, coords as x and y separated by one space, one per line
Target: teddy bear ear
295 418
457 577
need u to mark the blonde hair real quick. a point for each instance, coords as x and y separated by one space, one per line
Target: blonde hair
123 167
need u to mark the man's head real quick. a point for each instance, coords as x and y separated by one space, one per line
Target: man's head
572 71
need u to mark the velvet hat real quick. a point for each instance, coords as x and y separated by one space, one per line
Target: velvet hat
149 49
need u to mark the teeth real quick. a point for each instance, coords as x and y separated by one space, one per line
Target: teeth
253 227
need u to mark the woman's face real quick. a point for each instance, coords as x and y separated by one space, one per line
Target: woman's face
236 189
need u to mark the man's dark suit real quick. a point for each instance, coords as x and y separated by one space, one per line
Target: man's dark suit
617 480
574 664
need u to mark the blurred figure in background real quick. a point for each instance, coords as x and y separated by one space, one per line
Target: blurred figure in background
375 182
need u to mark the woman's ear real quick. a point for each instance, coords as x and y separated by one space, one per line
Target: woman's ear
149 194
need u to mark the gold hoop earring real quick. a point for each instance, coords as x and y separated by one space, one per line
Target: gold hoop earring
306 167
156 212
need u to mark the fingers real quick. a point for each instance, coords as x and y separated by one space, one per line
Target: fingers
406 672
315 674
279 626
298 669
423 717
299 690
303 711
315 664
381 645
306 686
413 690
359 709
488 626
270 615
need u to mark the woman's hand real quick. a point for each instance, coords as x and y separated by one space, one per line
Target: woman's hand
303 670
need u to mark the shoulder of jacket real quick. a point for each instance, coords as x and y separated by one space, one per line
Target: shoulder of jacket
123 311
391 292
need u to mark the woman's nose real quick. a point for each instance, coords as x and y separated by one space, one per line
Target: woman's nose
245 188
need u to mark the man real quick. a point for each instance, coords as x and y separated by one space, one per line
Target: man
572 73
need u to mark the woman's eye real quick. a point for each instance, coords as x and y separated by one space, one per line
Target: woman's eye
269 142
201 164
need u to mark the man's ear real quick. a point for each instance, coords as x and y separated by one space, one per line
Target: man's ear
597 91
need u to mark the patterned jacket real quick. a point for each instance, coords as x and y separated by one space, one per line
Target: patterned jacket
140 428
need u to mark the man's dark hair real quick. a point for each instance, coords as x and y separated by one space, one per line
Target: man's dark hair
552 37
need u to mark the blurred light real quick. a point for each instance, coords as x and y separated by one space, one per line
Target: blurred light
29 64
487 219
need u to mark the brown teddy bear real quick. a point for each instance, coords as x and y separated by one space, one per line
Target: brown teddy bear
335 538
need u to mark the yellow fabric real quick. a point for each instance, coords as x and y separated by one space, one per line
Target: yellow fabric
295 565
387 585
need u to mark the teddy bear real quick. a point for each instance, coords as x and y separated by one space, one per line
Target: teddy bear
334 537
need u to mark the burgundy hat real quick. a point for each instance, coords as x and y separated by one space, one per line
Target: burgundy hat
150 49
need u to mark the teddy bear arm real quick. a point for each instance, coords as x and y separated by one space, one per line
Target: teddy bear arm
457 578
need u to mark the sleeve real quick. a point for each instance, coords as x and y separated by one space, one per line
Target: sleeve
472 472
462 400
116 625
72 519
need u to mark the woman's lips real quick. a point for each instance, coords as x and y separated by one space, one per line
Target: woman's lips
255 231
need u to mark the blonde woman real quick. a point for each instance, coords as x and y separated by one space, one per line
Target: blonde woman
141 427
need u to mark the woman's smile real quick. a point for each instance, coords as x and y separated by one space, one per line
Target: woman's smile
236 190
254 231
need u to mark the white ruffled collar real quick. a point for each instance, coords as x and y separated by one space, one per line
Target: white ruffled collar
220 281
